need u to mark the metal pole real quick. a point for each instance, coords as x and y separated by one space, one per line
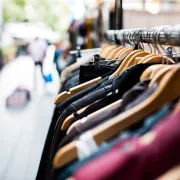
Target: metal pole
119 14
169 35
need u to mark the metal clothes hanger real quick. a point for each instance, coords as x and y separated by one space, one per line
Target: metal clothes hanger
168 89
156 58
126 51
130 58
114 52
148 42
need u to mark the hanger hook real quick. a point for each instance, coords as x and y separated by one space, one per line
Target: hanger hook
136 37
119 35
124 37
155 40
127 38
131 36
141 39
151 30
166 35
146 34
158 38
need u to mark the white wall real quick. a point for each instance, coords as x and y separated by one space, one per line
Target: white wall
140 19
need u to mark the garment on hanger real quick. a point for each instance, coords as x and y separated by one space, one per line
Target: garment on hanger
132 74
117 124
148 124
99 118
145 157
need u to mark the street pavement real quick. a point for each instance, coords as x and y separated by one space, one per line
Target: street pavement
23 132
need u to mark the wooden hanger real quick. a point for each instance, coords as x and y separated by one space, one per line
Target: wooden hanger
154 69
159 75
132 60
124 53
156 59
138 58
116 55
112 55
68 121
146 57
76 123
66 94
125 61
168 90
151 59
96 113
103 47
150 71
108 50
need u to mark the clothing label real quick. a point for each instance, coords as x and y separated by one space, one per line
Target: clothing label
86 145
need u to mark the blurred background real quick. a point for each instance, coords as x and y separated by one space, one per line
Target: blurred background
37 39
68 23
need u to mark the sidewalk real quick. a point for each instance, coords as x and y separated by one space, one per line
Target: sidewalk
23 133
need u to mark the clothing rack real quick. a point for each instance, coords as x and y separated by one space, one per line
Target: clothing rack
165 35
85 50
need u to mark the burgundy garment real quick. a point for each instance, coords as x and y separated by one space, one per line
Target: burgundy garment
134 160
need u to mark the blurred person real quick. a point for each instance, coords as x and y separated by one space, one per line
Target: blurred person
64 59
73 33
37 50
61 56
21 50
1 59
57 54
